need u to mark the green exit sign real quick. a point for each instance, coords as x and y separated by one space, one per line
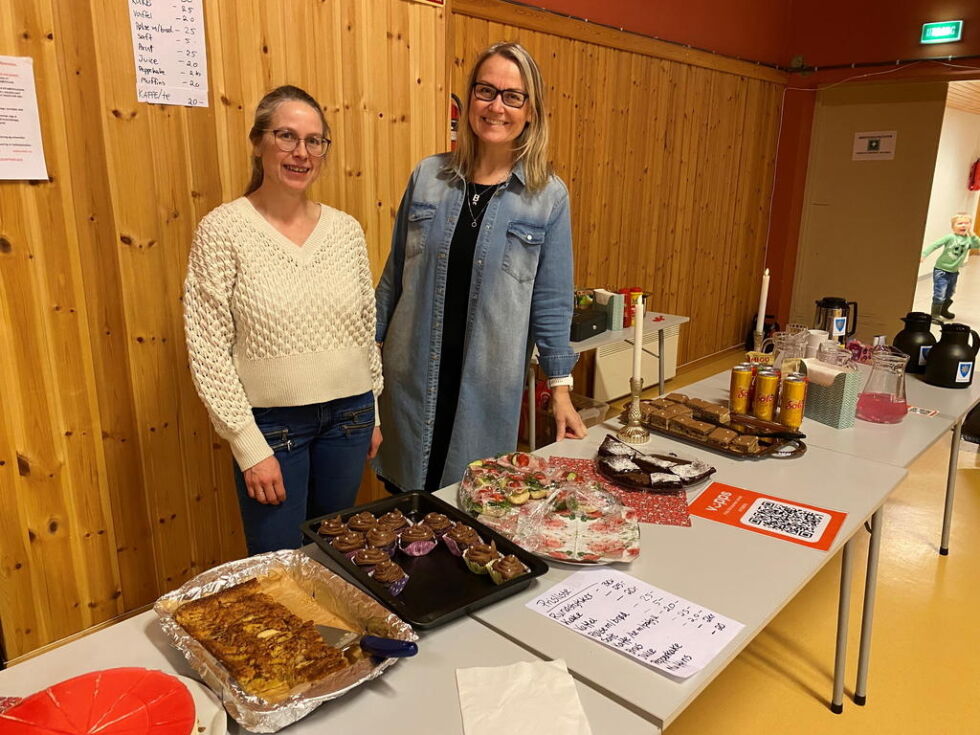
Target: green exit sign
945 32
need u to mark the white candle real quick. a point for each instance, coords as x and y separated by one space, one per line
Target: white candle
763 295
638 339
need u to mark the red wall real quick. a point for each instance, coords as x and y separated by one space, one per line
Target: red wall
748 29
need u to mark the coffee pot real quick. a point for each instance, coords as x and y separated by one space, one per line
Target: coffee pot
915 340
950 362
837 316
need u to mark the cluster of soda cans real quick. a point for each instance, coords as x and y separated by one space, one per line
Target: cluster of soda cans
764 392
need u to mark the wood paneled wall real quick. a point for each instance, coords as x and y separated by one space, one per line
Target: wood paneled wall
113 486
668 156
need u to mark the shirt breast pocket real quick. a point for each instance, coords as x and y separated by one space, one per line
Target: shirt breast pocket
420 217
523 250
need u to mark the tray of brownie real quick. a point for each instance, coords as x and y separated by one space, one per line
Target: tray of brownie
711 426
424 559
647 470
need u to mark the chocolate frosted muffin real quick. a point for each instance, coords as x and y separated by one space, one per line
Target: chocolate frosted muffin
417 540
390 575
369 557
478 556
459 537
349 542
437 522
506 567
332 527
393 520
362 522
382 538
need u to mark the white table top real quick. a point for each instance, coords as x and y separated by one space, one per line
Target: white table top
895 444
953 402
746 576
653 321
417 695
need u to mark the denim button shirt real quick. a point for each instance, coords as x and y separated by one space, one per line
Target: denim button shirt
521 294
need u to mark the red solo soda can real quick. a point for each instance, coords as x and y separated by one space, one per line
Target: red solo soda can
766 388
740 389
792 400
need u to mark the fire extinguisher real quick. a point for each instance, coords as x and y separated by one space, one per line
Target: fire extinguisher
974 183
455 108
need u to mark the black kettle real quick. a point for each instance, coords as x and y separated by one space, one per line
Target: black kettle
950 362
915 340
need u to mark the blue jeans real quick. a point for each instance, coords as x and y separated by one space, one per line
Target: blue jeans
321 450
943 285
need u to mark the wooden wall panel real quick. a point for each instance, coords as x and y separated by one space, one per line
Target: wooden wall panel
668 161
113 486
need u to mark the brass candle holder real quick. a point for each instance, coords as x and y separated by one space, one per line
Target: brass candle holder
757 339
634 432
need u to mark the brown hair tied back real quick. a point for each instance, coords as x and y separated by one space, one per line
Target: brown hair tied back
263 119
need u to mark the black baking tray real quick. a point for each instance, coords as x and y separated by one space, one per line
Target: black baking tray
440 587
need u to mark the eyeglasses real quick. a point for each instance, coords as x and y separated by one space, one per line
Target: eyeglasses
510 97
287 141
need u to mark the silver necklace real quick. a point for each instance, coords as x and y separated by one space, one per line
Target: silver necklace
474 201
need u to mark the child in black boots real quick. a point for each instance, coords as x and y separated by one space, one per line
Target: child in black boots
956 247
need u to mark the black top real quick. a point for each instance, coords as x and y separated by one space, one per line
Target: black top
455 312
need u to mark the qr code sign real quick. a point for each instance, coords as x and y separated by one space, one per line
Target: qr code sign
787 520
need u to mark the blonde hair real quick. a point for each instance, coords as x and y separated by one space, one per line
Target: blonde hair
263 119
961 215
531 146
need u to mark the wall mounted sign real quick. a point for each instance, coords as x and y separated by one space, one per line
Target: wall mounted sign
21 152
946 31
877 145
168 48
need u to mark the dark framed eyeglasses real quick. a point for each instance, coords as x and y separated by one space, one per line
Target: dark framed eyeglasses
287 140
510 97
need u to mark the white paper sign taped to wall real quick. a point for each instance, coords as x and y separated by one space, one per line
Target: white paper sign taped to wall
21 152
169 52
877 145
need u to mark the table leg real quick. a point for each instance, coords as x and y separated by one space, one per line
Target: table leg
954 454
660 358
532 428
843 607
867 615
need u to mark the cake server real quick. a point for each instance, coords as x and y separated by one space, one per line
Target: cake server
380 647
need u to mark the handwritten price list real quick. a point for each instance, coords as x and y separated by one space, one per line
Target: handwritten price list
168 47
655 627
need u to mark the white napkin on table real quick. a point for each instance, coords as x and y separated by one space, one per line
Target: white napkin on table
526 698
821 373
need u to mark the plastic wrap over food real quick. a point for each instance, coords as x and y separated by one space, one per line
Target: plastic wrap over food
323 589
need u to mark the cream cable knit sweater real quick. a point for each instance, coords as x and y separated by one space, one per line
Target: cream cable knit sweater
270 323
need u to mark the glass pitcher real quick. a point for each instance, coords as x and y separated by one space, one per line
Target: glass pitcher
787 349
883 399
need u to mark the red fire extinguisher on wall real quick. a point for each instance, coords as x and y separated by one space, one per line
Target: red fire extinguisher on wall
974 183
455 108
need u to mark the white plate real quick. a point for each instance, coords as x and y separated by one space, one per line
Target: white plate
210 714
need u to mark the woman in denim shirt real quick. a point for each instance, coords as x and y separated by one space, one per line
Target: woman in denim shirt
480 270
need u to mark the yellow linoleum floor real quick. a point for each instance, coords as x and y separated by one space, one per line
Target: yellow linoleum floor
925 664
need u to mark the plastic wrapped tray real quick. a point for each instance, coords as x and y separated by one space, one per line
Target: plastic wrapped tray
440 587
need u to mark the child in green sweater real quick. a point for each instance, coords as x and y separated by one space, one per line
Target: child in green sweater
956 247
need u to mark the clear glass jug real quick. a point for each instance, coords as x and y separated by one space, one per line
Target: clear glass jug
883 399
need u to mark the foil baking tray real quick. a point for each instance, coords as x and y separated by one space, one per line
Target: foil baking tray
325 588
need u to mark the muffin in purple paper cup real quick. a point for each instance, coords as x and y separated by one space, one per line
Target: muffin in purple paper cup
395 520
390 575
459 537
369 557
349 543
332 527
382 538
506 568
362 522
478 556
438 522
417 540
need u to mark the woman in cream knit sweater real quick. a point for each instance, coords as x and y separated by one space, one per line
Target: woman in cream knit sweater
279 316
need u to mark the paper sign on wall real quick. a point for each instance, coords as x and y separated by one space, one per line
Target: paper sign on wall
788 520
21 152
168 48
878 145
655 627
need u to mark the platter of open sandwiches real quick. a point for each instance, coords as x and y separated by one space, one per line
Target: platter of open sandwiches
711 425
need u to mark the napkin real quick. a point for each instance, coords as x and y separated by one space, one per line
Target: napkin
822 373
526 698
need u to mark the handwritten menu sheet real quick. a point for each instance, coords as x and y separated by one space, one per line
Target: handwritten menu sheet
655 627
21 149
168 47
800 523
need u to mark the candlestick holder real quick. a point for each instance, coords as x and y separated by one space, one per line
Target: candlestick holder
634 432
757 339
